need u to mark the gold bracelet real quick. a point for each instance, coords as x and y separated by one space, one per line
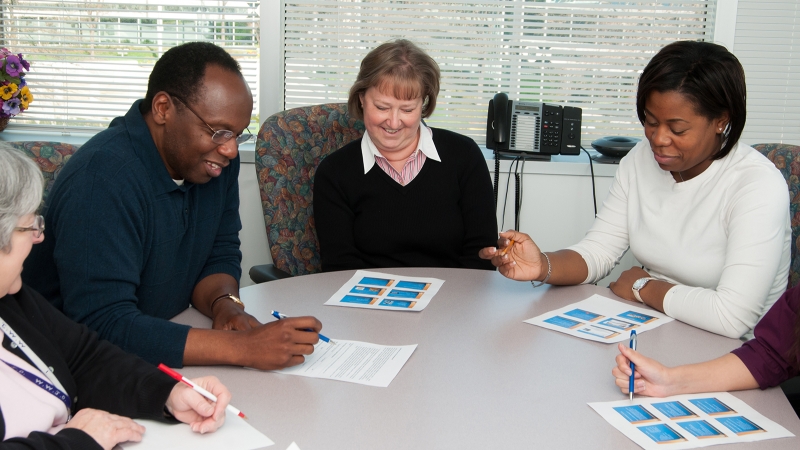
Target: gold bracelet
230 296
549 271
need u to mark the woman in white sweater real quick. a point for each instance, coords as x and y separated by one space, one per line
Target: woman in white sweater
707 216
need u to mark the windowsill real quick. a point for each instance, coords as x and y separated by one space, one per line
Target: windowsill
246 150
558 165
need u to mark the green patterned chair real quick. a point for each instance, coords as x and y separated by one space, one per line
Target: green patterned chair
787 159
289 148
49 156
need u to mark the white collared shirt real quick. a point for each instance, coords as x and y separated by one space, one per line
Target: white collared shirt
369 151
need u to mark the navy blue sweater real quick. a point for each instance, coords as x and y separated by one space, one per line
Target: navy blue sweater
125 245
440 219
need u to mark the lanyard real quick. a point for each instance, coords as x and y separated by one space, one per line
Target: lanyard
47 387
8 331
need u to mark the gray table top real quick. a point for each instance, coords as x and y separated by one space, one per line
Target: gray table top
480 377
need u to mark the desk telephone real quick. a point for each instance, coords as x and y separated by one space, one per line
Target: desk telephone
532 128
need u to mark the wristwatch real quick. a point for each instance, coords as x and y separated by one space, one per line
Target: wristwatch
234 298
638 285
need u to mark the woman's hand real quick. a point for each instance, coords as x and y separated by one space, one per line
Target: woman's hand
192 408
523 260
106 428
651 379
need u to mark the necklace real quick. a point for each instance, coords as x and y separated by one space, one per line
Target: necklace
681 176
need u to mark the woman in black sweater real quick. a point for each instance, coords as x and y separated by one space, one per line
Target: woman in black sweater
404 195
60 386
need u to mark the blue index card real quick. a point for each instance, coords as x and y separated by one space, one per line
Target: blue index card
563 322
582 314
358 299
674 410
661 433
701 429
740 425
635 414
413 285
372 281
617 323
636 317
712 406
398 293
397 303
366 290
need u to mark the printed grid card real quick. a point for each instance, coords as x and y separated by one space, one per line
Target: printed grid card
601 319
375 290
689 421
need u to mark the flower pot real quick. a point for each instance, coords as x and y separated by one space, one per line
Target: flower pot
4 123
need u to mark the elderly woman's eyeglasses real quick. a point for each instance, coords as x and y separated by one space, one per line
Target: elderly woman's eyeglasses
219 136
37 227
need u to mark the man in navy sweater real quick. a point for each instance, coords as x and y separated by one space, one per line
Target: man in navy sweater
144 220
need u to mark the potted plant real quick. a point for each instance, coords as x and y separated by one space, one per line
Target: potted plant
14 93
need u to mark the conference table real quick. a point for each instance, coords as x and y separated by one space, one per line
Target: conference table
479 378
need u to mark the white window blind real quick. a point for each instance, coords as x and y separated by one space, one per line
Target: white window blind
581 53
90 60
767 42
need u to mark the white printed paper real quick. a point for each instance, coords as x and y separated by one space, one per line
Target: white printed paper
234 434
375 290
689 421
353 361
600 319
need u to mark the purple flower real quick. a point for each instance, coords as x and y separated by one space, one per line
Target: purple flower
22 83
11 107
13 65
24 63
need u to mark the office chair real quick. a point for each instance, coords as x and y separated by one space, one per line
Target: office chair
787 159
289 148
49 156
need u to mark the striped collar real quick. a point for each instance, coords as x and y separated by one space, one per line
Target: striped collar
426 145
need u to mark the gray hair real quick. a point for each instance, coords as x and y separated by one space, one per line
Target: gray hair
21 186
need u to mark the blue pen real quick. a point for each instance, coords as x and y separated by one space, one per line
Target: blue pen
280 316
633 366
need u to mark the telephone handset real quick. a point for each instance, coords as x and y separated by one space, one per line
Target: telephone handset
532 128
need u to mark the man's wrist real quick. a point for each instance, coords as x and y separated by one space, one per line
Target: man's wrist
226 299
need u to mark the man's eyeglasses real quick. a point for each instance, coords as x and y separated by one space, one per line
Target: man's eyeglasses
37 227
219 136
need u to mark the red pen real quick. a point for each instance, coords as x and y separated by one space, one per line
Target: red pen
198 389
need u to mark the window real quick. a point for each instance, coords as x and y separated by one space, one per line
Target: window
91 59
767 43
577 52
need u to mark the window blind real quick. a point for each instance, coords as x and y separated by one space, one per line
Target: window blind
91 59
767 42
587 54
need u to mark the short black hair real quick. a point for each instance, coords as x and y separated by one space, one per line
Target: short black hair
180 71
708 75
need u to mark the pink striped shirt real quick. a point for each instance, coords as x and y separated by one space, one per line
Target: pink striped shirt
412 166
410 170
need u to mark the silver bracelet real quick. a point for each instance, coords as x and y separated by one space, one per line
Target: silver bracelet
549 271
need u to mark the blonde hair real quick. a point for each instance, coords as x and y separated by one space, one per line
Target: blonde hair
401 69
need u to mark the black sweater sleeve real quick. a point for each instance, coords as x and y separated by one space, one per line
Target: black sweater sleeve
477 206
106 377
67 439
334 219
95 373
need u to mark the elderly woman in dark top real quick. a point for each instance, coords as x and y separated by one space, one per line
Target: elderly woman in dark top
405 195
60 386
